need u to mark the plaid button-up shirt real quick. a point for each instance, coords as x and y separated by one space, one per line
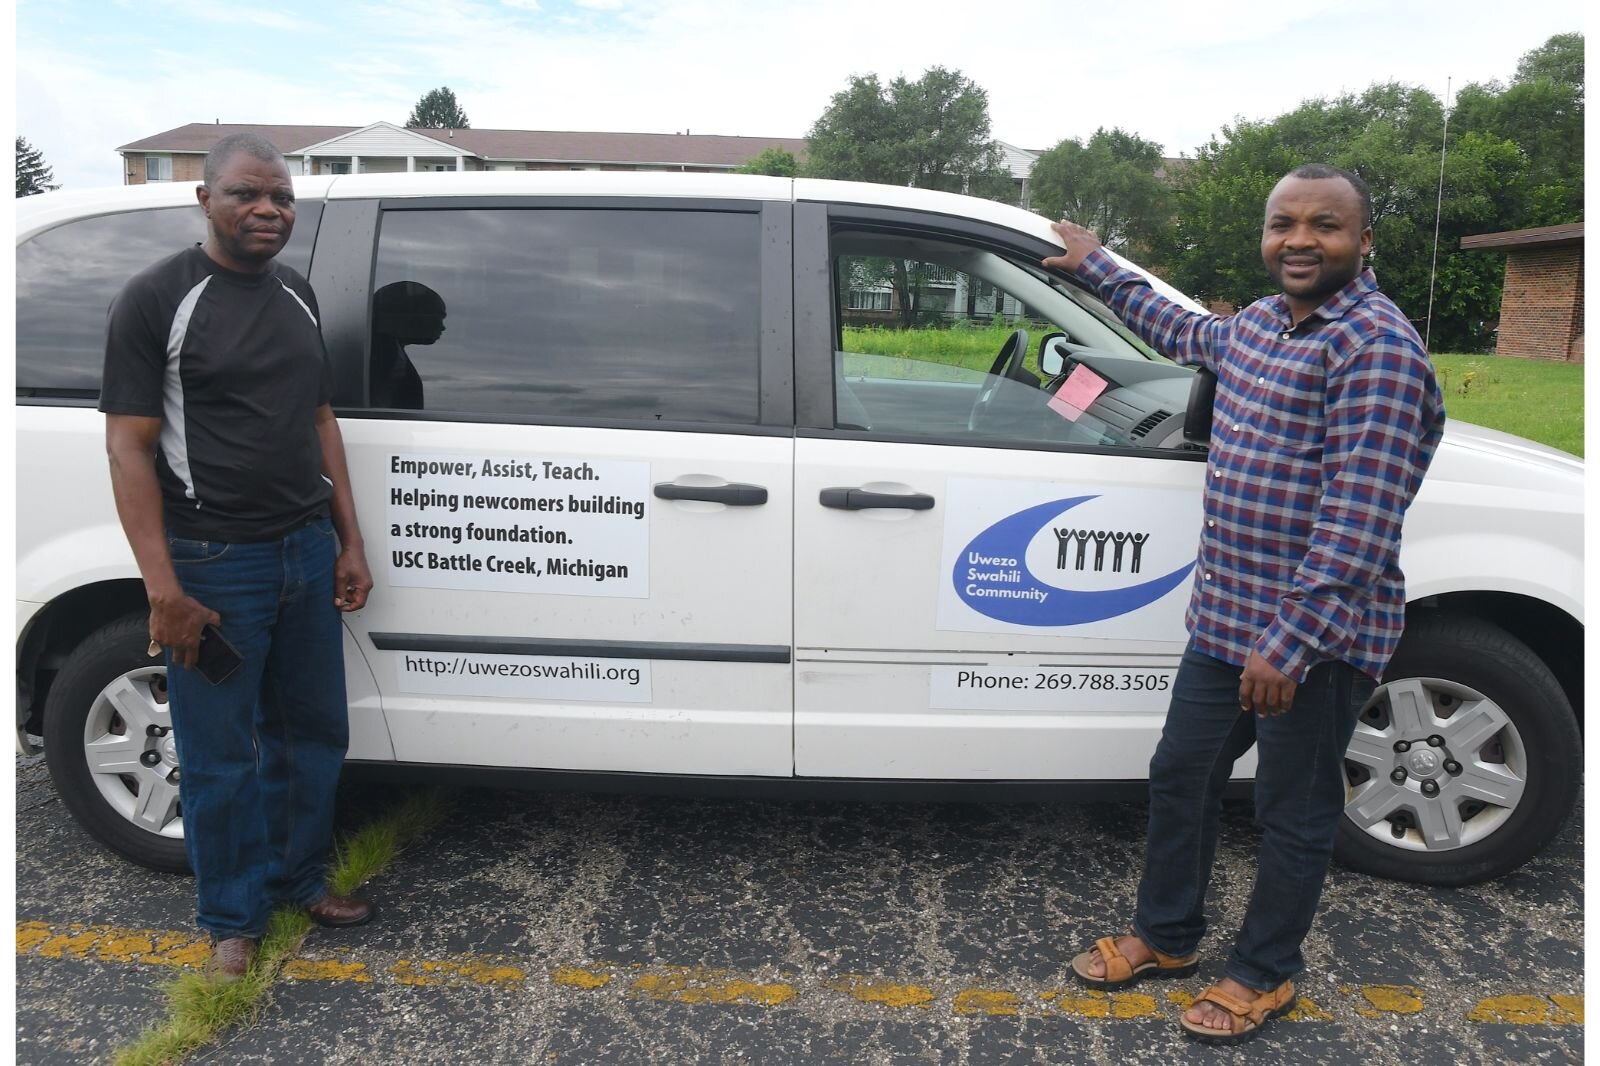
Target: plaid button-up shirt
1319 439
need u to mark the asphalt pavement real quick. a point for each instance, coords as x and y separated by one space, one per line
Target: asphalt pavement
593 929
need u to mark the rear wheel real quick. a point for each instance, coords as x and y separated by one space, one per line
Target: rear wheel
1466 762
110 746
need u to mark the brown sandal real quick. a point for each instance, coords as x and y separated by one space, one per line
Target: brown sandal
1119 971
1255 1013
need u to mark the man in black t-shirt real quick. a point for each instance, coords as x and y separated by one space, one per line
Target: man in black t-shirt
230 480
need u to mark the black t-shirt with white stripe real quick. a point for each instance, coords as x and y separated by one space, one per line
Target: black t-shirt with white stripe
233 364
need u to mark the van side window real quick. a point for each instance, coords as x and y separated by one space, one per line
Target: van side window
528 314
946 342
68 276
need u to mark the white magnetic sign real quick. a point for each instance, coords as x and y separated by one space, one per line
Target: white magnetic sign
533 524
1052 557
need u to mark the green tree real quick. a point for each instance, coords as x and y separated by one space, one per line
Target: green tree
33 174
437 110
1541 111
1391 136
1109 185
932 133
1560 59
778 162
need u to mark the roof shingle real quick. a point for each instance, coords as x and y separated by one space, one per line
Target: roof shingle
550 145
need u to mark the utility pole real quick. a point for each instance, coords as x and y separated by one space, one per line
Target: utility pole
1438 208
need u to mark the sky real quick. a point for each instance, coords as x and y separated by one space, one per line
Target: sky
92 76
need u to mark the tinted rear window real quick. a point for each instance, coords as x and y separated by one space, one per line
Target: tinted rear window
523 315
68 276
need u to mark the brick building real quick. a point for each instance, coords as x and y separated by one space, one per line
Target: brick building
1541 306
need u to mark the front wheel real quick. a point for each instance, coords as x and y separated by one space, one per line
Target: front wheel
1464 764
110 746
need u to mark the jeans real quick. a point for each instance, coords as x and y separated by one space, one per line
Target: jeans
1299 797
260 754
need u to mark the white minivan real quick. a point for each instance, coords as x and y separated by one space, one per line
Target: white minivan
761 483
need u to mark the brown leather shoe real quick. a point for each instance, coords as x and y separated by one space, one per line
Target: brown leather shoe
334 910
230 958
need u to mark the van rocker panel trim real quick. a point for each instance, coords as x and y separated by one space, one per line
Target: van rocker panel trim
599 649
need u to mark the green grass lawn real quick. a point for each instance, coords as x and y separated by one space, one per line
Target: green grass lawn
1532 398
1540 400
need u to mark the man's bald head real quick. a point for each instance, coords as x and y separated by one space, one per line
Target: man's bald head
232 145
1321 171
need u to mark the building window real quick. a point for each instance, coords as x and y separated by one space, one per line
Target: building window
868 300
158 168
338 168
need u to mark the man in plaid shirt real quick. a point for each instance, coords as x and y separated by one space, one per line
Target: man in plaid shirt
1327 415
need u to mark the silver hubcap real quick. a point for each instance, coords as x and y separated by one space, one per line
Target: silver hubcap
1433 766
132 752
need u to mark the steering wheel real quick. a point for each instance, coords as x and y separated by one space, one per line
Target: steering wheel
1006 366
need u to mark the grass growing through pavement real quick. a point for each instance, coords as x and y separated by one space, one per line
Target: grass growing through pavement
1532 398
201 1009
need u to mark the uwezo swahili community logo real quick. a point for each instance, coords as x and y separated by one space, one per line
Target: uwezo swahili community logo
1098 574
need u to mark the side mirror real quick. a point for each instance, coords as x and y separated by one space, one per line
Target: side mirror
1197 413
1052 354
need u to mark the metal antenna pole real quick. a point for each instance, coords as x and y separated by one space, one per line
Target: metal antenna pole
1438 209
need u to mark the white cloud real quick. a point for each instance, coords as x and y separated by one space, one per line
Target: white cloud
232 15
764 68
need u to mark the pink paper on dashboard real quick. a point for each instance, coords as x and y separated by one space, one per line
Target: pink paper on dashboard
1080 390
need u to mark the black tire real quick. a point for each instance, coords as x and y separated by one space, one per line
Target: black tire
104 803
1450 659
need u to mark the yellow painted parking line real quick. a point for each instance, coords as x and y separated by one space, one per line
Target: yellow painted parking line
695 984
1383 1000
580 977
996 1003
112 944
326 970
1306 1010
1528 1010
482 970
706 985
883 993
1092 1003
1569 1010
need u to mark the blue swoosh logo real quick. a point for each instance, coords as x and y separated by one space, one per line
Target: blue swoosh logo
1031 602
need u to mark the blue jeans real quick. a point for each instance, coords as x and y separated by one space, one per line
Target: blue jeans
1299 797
260 754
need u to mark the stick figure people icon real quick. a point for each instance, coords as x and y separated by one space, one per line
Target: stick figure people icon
1138 549
1119 539
1100 538
1063 537
1082 536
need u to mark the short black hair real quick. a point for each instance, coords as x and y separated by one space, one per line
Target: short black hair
232 145
1324 170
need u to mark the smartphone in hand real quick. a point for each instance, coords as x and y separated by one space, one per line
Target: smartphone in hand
217 659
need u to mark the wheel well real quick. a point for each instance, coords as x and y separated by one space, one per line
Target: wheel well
60 626
1549 632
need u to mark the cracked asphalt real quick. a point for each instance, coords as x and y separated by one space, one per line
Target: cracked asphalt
553 928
